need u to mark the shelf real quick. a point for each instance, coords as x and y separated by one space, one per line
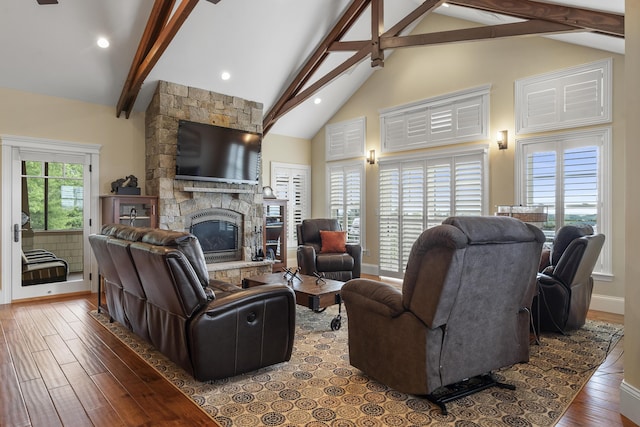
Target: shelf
216 190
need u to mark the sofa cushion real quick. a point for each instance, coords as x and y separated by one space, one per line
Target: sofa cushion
333 241
334 262
186 243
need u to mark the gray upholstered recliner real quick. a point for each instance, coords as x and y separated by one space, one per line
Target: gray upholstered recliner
565 286
463 310
338 266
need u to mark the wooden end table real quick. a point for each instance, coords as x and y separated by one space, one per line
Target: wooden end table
317 294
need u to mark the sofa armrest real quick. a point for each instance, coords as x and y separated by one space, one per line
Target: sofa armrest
356 252
371 295
306 255
241 331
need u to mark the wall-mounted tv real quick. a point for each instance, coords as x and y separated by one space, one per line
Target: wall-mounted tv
213 153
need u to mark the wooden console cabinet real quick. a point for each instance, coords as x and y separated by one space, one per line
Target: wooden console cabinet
275 232
140 211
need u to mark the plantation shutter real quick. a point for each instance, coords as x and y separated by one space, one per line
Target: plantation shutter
345 140
419 194
346 198
449 119
292 182
580 184
568 98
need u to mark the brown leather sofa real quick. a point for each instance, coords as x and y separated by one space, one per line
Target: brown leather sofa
337 266
156 283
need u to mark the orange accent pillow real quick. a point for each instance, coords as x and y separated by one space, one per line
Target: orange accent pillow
333 241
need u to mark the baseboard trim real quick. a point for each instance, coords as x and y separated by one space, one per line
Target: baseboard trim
608 304
630 402
371 269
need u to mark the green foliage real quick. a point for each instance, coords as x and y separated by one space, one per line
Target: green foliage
64 196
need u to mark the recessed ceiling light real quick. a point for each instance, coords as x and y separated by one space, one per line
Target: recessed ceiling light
317 101
225 75
103 42
445 4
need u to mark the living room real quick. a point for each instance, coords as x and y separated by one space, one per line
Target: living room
408 76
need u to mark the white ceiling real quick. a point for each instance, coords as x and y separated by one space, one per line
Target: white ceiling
52 49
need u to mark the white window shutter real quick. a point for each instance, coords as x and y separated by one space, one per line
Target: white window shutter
345 140
572 97
293 183
449 119
346 198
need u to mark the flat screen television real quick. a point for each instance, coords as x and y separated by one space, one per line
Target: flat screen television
213 153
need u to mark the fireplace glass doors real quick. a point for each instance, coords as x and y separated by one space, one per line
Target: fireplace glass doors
219 233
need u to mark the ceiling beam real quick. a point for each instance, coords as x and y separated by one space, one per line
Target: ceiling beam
534 27
159 39
601 22
348 18
158 18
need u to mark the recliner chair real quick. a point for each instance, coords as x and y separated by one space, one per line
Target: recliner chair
565 287
463 310
340 266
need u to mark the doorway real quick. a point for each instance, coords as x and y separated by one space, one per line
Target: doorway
49 199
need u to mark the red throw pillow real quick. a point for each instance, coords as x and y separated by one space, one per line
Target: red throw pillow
333 241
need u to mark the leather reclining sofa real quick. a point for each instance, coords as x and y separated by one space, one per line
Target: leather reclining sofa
157 285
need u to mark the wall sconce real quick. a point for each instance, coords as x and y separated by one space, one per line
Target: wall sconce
372 157
503 139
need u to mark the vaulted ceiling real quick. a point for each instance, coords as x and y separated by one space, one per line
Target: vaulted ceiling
282 53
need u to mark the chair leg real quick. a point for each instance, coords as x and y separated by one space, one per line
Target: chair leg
464 388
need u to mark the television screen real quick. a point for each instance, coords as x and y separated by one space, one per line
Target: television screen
213 153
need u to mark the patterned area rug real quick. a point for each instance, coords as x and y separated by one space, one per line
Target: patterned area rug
318 387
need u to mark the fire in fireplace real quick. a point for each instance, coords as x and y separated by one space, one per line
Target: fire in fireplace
219 232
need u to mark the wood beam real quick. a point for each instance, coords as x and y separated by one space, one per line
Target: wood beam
348 18
533 27
377 27
325 80
157 20
141 70
601 22
425 8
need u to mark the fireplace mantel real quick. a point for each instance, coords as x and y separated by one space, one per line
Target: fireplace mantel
217 190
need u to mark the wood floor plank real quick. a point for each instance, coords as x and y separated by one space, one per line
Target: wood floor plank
59 323
105 416
59 349
13 412
88 393
45 327
32 336
23 361
129 412
51 373
69 407
89 361
41 410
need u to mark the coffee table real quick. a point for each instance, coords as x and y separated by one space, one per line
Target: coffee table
310 291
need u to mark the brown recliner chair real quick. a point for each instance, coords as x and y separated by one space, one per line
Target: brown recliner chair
565 287
463 310
340 266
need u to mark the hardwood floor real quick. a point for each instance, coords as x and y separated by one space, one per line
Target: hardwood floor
58 366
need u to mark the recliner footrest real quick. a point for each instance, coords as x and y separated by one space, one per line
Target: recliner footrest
464 388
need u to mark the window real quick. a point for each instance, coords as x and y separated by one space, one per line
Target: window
449 119
53 199
346 198
293 183
568 98
345 140
569 173
416 194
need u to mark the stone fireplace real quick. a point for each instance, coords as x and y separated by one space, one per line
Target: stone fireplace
232 211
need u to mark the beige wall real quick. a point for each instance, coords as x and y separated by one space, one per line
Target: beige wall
631 205
283 149
39 116
417 73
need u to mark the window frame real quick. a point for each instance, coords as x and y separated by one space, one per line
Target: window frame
567 140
